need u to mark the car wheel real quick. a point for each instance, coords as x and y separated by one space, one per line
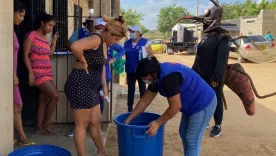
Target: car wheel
241 59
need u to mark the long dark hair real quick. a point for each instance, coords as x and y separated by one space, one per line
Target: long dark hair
19 7
147 66
43 17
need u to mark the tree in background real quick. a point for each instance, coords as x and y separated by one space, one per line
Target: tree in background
247 8
169 15
133 17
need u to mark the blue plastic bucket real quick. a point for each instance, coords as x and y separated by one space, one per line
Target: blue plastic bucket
40 150
133 139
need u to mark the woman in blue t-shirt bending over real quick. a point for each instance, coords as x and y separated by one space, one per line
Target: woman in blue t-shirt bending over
186 92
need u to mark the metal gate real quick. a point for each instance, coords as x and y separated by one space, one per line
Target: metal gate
62 62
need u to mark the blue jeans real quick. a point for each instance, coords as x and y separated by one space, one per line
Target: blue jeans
192 128
102 100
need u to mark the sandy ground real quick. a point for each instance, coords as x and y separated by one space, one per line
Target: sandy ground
242 135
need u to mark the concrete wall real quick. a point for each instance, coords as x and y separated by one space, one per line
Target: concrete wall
269 21
102 7
6 74
97 7
251 26
261 24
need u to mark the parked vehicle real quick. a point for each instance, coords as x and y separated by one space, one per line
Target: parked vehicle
158 46
249 48
187 45
170 51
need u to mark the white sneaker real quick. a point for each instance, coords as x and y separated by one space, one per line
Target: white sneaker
207 126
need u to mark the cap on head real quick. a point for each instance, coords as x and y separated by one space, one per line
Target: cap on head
135 28
147 65
100 21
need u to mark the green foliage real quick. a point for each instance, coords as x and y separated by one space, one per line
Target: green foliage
154 34
247 8
118 65
169 15
133 17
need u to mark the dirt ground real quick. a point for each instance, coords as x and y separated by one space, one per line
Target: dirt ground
242 135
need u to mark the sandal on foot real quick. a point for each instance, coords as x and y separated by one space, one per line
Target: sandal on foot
15 142
21 144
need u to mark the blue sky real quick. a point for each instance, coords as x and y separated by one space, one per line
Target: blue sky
151 8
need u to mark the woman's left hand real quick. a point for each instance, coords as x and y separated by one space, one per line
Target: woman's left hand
153 128
105 90
56 36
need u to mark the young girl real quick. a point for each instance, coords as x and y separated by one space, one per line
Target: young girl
37 52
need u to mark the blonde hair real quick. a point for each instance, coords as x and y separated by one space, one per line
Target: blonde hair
116 26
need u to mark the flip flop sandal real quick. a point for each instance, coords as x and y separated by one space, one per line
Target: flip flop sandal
21 144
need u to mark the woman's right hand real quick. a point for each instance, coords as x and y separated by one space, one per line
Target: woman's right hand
127 121
83 66
15 80
31 79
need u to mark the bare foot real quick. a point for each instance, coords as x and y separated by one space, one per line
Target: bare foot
49 128
102 153
40 131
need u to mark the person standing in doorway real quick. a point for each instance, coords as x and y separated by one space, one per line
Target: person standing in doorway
18 17
37 53
88 29
137 48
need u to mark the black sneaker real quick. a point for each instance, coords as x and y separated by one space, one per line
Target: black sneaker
216 131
